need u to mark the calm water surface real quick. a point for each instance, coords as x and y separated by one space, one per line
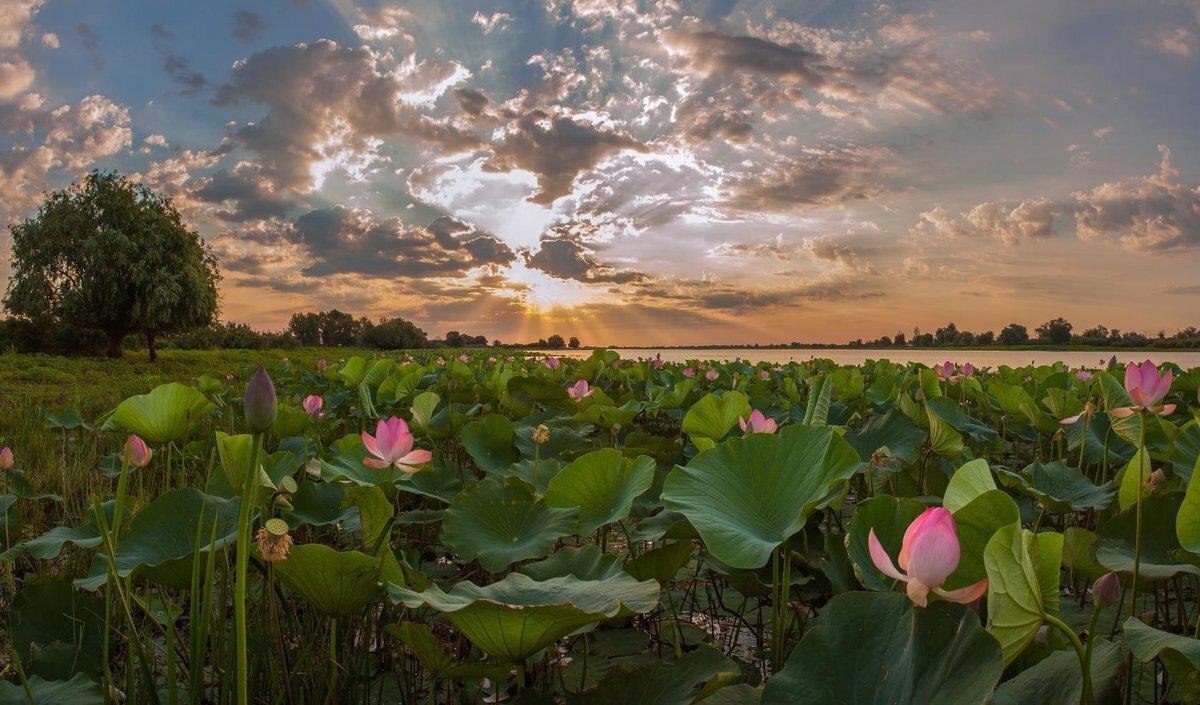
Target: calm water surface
979 358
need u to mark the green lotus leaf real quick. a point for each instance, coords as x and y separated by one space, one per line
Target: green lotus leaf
583 562
1015 610
870 648
57 630
893 431
1162 556
1057 678
491 442
747 496
1059 488
1132 479
334 582
1180 654
661 563
714 416
968 482
319 504
518 616
564 441
499 524
665 681
166 415
290 421
602 484
977 522
80 690
160 543
889 517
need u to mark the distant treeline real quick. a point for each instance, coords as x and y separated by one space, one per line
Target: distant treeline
332 328
1056 332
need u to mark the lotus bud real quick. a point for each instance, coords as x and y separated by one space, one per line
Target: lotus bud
273 539
259 402
541 434
322 365
312 406
136 453
6 458
1106 591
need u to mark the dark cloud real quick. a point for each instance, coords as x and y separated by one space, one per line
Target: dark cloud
243 194
159 32
178 69
344 240
714 52
557 149
472 101
700 121
87 36
567 259
324 99
247 25
812 179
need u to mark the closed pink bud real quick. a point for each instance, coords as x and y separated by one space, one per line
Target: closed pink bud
6 458
312 406
137 454
1106 591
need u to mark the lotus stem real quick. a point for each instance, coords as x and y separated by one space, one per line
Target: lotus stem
1085 697
1137 536
243 561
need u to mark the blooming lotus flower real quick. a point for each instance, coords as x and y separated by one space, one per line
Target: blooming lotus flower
711 375
1083 376
552 362
944 370
1088 410
464 358
441 360
491 360
392 445
579 391
689 372
1146 388
6 458
968 369
757 423
322 365
928 556
136 453
657 363
763 374
312 406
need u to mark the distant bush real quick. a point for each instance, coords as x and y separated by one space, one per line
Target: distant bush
26 336
393 334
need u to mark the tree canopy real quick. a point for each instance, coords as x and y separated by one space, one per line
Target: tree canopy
111 255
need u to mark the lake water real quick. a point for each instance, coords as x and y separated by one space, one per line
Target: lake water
979 358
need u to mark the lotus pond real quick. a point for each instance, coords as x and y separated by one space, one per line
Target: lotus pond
478 528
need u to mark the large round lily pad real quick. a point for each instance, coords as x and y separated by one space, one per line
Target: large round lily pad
515 618
747 496
603 484
499 524
871 648
166 414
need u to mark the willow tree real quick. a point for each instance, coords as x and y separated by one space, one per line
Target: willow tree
113 256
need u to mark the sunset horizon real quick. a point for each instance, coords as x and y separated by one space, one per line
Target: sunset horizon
639 174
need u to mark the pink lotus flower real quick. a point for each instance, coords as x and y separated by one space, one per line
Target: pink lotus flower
312 406
392 445
1083 376
657 363
711 375
968 369
491 360
6 458
464 358
689 372
1146 388
944 370
552 362
757 423
441 360
136 452
322 365
928 556
579 391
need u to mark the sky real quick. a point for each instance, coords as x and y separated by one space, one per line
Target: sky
661 172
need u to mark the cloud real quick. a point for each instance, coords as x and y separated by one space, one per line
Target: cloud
1033 219
716 53
16 77
15 18
1181 42
557 149
87 36
472 101
247 25
567 259
244 194
494 21
326 104
341 240
1153 213
814 178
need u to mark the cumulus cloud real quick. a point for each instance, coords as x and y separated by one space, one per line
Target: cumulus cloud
567 259
1032 219
557 148
325 103
494 21
813 178
1153 213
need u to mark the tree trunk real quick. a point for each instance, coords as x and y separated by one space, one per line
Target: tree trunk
150 346
115 339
